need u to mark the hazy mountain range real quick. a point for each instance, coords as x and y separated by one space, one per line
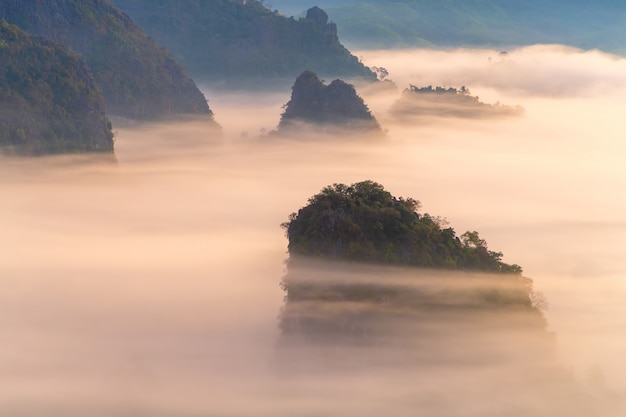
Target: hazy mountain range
490 23
217 39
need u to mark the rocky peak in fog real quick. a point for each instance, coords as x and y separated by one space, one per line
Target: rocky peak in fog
347 281
326 108
137 77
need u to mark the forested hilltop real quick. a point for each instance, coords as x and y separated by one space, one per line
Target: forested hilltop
486 23
216 39
138 78
420 102
364 222
49 102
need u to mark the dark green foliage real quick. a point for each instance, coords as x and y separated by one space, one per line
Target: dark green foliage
217 39
351 302
137 77
364 222
326 108
49 102
445 102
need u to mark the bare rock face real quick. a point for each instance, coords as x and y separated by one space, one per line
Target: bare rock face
49 101
320 17
326 109
138 78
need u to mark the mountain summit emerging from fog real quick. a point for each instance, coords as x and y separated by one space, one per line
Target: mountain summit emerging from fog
329 109
364 224
138 78
599 24
352 304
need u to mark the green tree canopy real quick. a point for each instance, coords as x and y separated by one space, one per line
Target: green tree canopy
326 108
365 222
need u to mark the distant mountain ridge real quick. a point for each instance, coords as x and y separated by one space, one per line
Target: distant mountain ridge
138 78
217 39
479 23
49 102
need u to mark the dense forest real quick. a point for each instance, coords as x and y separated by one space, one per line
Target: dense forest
366 223
217 39
138 78
486 23
49 101
319 108
418 102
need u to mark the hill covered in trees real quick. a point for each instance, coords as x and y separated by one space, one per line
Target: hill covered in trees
319 108
419 102
138 78
485 23
217 39
49 101
364 222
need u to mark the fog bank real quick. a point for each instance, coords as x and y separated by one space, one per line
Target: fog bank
149 286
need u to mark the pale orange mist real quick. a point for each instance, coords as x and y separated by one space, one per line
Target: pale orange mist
151 286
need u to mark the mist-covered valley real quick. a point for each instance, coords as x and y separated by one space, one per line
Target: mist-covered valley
149 285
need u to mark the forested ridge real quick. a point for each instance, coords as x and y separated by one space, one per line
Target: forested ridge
49 102
216 39
138 78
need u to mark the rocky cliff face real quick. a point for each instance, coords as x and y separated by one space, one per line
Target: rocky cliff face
49 102
138 78
335 108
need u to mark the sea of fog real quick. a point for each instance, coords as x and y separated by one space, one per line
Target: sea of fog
149 285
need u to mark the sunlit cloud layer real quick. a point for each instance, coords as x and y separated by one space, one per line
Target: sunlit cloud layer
149 285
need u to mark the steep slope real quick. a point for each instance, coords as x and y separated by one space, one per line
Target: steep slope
333 108
137 77
223 38
49 102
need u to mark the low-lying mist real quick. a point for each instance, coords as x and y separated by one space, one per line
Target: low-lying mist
150 285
